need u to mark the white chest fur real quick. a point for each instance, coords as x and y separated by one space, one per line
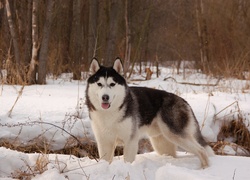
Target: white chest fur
111 125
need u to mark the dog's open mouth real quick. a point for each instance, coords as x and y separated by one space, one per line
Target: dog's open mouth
105 105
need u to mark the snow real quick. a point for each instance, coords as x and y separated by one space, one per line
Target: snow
41 109
146 166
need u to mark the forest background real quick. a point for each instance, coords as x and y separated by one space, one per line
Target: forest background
41 37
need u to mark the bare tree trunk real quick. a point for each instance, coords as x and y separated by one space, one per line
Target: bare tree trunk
65 40
31 73
202 34
14 35
77 35
28 38
93 33
113 30
1 14
63 29
23 23
13 32
140 39
28 33
128 41
85 26
43 56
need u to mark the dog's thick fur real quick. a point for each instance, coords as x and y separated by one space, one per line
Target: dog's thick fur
122 114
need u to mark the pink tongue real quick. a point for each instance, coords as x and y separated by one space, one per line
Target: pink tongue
105 105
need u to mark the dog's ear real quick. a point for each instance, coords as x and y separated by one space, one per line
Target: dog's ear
94 66
118 66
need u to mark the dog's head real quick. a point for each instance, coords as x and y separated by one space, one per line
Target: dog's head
106 87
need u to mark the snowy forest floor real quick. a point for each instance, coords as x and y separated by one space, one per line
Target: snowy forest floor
45 131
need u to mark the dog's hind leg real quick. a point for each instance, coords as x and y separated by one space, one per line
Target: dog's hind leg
187 142
190 144
163 146
203 143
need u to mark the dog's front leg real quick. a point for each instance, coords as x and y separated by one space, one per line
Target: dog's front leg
130 150
106 147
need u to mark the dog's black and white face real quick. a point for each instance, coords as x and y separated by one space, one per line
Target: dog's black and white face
106 87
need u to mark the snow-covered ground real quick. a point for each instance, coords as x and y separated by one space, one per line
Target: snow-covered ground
41 108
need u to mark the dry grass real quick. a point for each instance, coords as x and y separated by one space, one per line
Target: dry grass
226 148
87 148
238 132
41 145
30 171
234 131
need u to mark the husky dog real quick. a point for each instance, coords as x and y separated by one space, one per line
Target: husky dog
123 114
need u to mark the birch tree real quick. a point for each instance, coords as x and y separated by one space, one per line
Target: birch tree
31 73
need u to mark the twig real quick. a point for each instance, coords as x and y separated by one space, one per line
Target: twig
226 108
39 122
81 145
19 95
234 174
206 112
83 170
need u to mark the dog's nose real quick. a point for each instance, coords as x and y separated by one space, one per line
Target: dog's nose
105 97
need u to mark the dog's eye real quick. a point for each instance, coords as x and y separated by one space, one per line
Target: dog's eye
112 84
99 84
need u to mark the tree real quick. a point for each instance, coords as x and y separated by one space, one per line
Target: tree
93 28
127 37
76 40
33 62
61 39
136 31
43 55
27 31
114 17
15 69
202 34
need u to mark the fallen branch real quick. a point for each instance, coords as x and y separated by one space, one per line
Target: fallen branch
193 84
